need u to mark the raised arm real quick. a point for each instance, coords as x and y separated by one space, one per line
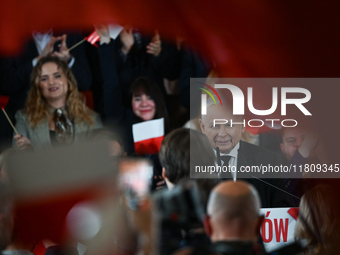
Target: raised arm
113 106
78 61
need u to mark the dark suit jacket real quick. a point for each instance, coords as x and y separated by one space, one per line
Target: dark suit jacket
252 155
138 63
295 184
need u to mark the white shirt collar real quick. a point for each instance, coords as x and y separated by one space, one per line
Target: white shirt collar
41 39
233 153
233 161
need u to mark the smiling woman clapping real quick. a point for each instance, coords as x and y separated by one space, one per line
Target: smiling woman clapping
55 112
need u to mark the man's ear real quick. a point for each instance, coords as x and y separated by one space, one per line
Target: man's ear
202 126
259 222
207 225
281 146
164 173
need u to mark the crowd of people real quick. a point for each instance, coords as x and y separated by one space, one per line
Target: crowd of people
136 79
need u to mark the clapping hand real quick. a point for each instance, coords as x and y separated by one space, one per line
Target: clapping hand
104 33
64 53
49 47
126 37
154 47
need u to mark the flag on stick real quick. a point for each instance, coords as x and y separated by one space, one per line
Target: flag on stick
78 43
9 120
114 31
93 38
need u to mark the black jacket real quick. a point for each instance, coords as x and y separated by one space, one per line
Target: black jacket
269 189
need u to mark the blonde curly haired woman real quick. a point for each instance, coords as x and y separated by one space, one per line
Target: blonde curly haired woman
55 112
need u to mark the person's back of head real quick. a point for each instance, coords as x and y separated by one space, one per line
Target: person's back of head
233 212
182 150
174 155
115 141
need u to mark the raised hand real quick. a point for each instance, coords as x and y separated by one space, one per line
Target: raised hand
126 37
49 47
64 53
155 46
104 33
309 143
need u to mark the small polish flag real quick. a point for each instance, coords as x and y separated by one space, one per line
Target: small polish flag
93 38
148 136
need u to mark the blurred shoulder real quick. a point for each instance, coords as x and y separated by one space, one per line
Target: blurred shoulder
20 115
96 118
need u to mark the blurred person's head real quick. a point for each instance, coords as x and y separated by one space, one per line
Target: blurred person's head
182 150
223 136
174 156
6 218
319 220
233 212
147 100
115 142
292 139
54 86
116 146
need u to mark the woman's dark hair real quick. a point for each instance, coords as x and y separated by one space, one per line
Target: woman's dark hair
174 154
183 149
144 85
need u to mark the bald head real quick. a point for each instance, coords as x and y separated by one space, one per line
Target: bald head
233 208
234 197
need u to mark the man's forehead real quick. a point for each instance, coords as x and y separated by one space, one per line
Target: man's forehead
218 111
293 133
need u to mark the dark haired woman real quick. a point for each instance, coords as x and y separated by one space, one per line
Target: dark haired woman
146 99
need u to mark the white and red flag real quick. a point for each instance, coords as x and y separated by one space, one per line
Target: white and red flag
93 38
148 136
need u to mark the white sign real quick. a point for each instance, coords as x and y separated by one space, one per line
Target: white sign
278 227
